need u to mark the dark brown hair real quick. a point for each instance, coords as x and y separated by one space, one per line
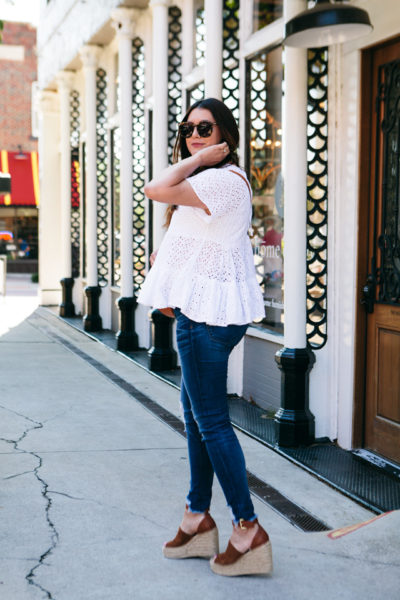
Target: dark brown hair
229 134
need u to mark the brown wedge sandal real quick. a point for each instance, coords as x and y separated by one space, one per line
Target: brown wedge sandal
257 560
201 544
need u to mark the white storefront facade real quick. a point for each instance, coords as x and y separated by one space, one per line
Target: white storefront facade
115 79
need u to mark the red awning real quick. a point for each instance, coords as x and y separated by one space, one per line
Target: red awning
23 168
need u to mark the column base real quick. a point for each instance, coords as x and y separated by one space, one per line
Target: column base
162 356
127 338
92 320
67 308
294 423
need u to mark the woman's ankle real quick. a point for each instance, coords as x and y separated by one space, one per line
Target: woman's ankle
191 521
243 535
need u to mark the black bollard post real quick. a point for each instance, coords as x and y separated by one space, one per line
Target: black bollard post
92 319
67 308
127 338
162 356
294 423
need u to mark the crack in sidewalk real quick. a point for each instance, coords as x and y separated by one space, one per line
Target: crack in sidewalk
54 536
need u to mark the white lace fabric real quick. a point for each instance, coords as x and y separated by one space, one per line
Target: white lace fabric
205 265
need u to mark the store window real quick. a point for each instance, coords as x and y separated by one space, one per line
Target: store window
263 162
83 201
19 233
115 199
266 12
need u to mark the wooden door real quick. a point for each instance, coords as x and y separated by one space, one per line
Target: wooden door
382 293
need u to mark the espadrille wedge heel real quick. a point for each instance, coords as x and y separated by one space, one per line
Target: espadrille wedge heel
202 544
256 561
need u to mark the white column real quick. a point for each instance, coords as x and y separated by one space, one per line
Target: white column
89 56
49 210
213 62
123 21
160 110
294 169
64 83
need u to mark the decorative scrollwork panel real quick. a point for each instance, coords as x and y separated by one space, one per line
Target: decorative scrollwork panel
195 93
138 163
101 173
317 197
174 74
230 56
200 36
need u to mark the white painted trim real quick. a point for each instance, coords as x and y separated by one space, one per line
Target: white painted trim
347 235
267 37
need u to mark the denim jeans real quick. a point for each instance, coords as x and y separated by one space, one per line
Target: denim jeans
213 446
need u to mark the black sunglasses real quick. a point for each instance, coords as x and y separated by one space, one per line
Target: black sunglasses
204 128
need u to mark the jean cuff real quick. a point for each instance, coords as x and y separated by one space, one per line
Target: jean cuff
237 521
195 512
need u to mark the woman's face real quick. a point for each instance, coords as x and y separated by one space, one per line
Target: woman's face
195 142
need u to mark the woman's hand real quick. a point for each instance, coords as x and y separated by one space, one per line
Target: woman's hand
212 155
153 257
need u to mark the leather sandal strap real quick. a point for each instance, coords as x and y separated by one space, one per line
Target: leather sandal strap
230 556
180 539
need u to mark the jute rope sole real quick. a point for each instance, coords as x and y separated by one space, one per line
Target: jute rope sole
253 562
202 545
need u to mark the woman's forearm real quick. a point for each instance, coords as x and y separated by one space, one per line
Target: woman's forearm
173 175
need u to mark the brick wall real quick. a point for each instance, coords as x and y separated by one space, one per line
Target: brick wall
16 77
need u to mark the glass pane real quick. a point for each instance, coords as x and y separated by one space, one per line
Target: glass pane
266 12
264 105
116 162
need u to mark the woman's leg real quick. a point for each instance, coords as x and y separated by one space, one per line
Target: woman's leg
204 353
201 471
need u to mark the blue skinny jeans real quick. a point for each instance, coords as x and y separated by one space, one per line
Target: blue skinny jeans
212 443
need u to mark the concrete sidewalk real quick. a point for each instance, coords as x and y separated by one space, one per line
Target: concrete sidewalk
92 484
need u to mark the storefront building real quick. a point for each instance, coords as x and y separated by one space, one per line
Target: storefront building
18 149
115 79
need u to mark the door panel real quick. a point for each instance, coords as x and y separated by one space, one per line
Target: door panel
382 408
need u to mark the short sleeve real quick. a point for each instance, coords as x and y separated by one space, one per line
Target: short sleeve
221 190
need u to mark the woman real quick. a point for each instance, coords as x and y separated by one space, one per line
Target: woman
204 275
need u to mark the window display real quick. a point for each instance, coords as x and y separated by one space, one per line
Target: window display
264 124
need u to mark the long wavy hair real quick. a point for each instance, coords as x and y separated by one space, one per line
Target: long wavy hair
229 134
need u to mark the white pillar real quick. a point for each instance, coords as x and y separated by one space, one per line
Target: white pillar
294 169
64 83
123 21
89 56
160 110
49 209
213 62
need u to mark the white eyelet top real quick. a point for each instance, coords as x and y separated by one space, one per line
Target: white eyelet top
205 265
